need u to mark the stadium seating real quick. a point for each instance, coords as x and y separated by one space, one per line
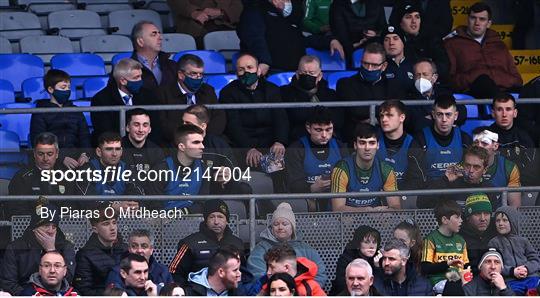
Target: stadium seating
92 86
8 171
176 42
328 63
80 67
7 95
226 42
219 81
124 20
18 123
334 77
527 61
471 124
357 58
46 46
34 89
16 25
106 46
281 79
120 56
9 147
214 62
76 23
85 103
5 46
44 7
16 68
472 110
103 7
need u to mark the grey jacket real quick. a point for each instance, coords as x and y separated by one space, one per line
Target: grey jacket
515 250
479 287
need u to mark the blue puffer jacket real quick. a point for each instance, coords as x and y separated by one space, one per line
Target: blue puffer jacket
257 266
417 285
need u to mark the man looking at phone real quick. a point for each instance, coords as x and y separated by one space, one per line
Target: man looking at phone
309 160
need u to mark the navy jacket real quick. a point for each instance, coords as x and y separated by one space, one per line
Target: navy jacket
416 284
158 274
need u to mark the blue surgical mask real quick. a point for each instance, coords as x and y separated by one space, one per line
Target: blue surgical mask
370 75
134 86
61 96
193 84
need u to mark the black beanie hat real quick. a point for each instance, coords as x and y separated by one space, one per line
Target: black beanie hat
215 205
44 213
409 8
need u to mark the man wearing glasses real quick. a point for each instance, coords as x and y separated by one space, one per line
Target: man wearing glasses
370 83
189 88
50 280
436 148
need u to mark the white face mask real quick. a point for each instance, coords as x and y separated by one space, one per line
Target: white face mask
423 85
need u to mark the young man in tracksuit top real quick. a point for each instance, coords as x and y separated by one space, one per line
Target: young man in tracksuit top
435 148
309 160
394 142
364 172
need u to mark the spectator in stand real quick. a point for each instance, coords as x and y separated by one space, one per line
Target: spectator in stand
490 281
123 89
365 244
283 230
529 114
426 86
317 17
51 279
308 85
114 291
172 289
436 16
480 63
158 70
398 277
408 232
369 84
514 143
141 242
436 147
362 171
478 228
309 160
521 261
359 278
100 254
400 66
356 24
134 272
189 89
70 128
198 17
195 250
281 284
23 255
500 171
220 278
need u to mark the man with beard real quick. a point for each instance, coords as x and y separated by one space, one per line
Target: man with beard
398 277
220 278
134 272
477 229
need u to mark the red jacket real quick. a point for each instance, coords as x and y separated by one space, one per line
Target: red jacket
307 270
469 59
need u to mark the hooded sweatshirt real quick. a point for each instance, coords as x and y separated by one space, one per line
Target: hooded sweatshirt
199 285
37 288
515 250
305 279
257 266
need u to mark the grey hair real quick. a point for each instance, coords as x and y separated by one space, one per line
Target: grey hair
394 243
46 138
142 233
124 67
137 31
309 59
360 263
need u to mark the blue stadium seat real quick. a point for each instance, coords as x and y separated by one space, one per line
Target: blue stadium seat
33 88
92 86
120 56
80 67
10 148
19 123
219 81
357 58
16 68
328 62
214 62
7 95
472 110
471 124
5 46
334 77
8 171
85 103
281 79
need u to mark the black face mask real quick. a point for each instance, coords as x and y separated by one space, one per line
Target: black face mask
307 82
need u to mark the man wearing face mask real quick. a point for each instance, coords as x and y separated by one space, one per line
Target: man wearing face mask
125 88
308 85
190 89
426 86
254 131
70 128
369 84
